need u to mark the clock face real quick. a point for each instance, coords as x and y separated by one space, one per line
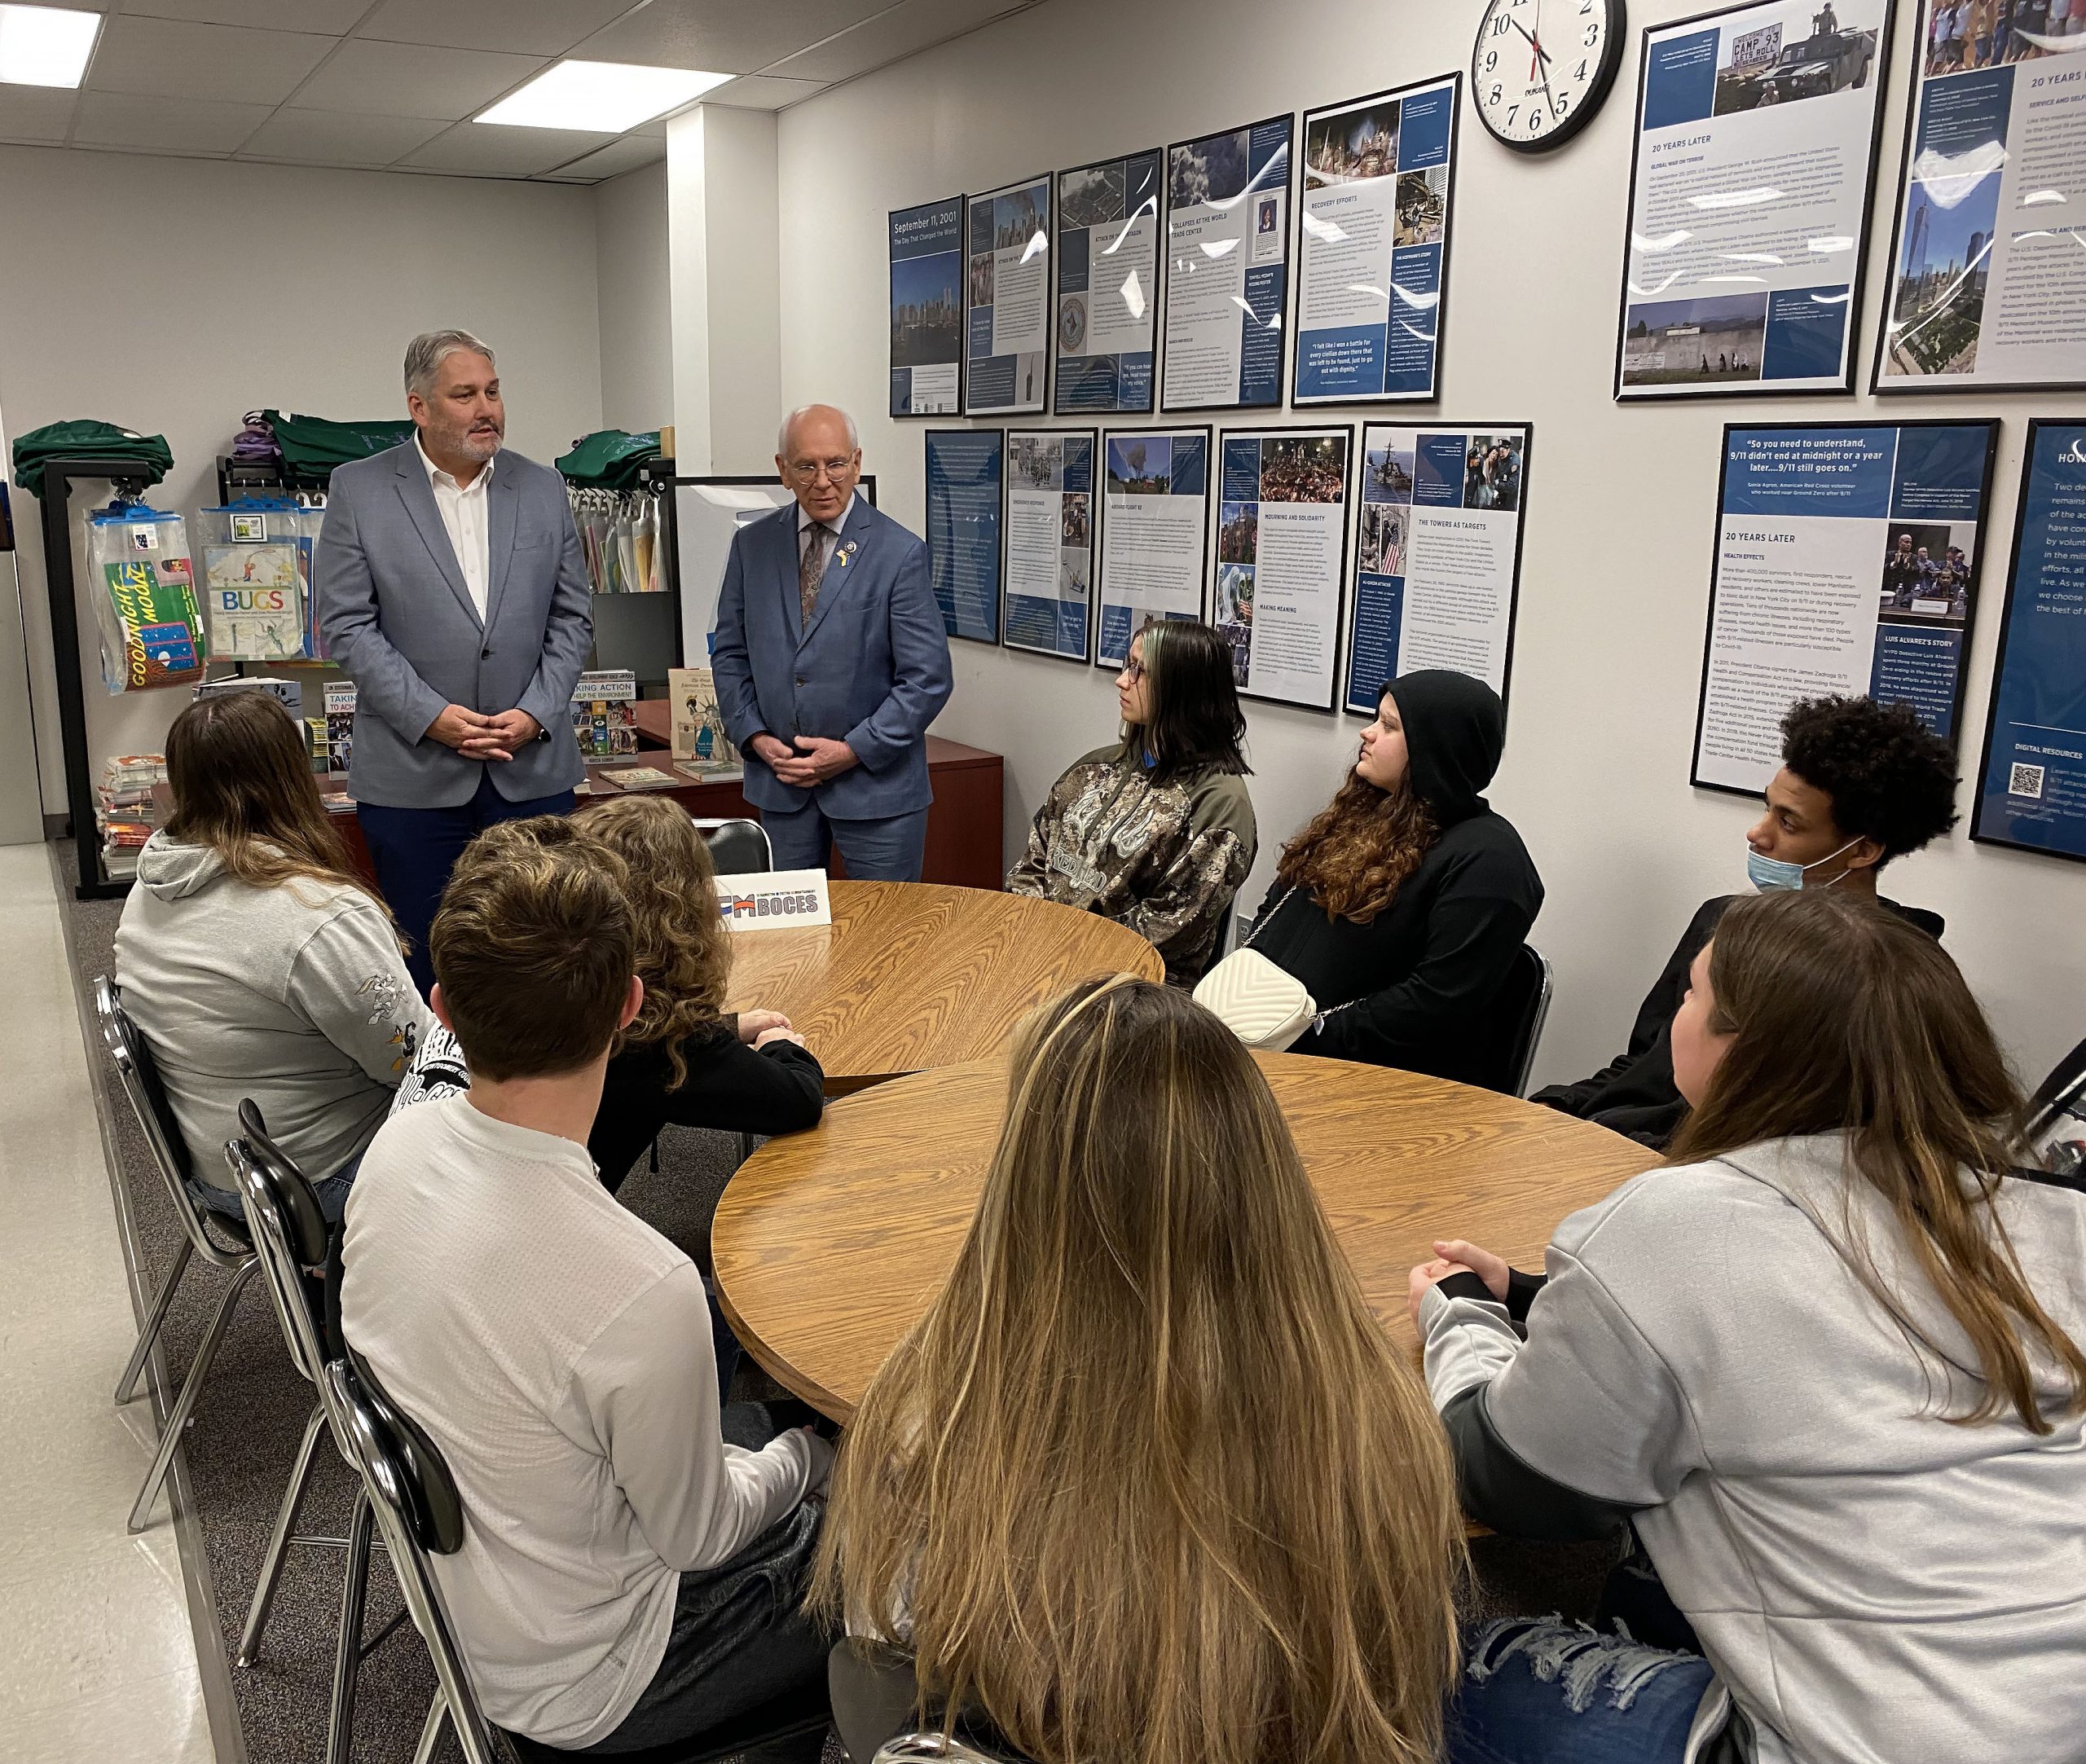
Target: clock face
1541 68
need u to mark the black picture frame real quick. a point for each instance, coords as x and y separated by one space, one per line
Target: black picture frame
1049 181
1978 834
928 438
1158 306
1991 424
1281 398
1263 431
1149 429
1092 547
1858 285
962 311
1347 705
1453 80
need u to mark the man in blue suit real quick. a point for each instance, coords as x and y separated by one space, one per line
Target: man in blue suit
453 591
830 661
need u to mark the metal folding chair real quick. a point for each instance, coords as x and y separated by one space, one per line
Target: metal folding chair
234 1256
737 848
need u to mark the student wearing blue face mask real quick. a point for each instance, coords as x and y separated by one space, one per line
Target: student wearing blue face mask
1861 784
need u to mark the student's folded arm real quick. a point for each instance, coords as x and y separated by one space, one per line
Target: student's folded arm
349 982
1566 1435
779 1088
648 1383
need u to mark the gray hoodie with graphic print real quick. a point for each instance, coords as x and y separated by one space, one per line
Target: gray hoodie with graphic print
295 995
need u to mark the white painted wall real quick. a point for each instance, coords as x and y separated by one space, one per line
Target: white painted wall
1622 501
637 343
171 296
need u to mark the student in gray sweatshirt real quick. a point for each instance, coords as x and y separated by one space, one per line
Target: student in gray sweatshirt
1826 1361
254 960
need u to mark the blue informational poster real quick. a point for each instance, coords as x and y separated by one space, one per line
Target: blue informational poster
1282 560
1848 561
1749 194
1372 255
1438 564
2031 785
1227 268
1049 569
1006 347
1107 285
967 477
927 309
1154 532
1988 282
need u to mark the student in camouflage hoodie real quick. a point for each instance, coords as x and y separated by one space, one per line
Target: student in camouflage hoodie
1155 831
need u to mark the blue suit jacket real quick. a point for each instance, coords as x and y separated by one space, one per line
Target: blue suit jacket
872 669
397 617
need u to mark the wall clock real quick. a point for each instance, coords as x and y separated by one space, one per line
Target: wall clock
1540 69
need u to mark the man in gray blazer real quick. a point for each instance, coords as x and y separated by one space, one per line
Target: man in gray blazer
451 590
830 660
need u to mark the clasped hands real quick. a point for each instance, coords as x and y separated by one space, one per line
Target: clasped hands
478 736
1453 1256
811 762
757 1028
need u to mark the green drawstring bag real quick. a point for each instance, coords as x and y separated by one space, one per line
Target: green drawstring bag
312 445
82 438
609 459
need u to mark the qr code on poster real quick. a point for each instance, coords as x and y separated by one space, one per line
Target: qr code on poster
2025 781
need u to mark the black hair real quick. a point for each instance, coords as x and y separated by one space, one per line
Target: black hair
1890 777
1196 721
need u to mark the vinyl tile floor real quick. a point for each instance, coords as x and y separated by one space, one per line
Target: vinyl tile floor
97 1657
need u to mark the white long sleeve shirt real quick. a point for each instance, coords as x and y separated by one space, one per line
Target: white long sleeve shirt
463 510
556 1348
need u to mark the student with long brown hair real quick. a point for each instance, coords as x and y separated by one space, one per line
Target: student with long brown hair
1402 906
254 959
1148 1483
685 1060
1826 1360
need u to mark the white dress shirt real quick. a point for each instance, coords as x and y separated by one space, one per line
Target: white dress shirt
556 1348
828 535
462 507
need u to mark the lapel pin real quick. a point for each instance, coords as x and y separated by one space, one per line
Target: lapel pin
846 552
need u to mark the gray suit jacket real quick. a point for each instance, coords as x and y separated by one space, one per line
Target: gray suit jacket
872 669
396 615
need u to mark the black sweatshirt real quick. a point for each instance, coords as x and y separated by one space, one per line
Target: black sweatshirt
779 1088
1414 987
1634 1094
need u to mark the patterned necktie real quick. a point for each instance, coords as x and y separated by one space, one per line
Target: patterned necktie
810 567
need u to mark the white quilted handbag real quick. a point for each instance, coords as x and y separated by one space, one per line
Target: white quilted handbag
1265 1006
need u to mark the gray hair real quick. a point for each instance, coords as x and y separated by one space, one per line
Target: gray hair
426 353
790 421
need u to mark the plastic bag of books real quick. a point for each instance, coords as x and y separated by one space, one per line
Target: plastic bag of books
146 611
256 574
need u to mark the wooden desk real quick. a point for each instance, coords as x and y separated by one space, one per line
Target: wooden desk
911 976
830 1245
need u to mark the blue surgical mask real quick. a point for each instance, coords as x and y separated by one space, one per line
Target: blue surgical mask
1768 874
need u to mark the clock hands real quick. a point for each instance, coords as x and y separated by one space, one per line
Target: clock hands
1540 64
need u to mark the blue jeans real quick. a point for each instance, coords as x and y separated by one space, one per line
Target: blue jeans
415 849
1539 1692
893 849
333 1194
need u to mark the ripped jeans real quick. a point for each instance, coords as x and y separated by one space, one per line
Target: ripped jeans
1536 1691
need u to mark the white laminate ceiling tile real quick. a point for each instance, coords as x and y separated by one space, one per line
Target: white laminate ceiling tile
490 150
327 18
339 137
903 30
524 27
35 112
613 160
411 80
722 36
762 91
165 125
171 58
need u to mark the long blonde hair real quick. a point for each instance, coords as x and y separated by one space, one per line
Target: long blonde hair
684 946
1846 1018
1148 1483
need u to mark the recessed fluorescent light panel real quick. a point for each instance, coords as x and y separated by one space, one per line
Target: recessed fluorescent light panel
46 45
605 97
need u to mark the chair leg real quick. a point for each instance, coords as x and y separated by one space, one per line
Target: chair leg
126 1386
272 1563
347 1657
431 1731
191 1388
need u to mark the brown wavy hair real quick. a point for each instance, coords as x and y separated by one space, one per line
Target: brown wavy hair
1356 855
1847 1019
683 945
1149 1482
240 771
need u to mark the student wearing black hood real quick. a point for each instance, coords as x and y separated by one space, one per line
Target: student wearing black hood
1401 907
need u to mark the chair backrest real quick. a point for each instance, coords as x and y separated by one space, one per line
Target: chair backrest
132 1056
736 847
414 1500
289 1235
932 1748
2060 1091
1519 1011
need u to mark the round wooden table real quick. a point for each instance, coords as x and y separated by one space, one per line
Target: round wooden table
830 1245
912 975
